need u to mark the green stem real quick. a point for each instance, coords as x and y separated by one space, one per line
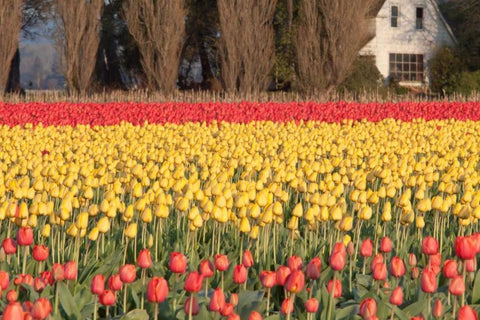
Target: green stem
125 299
190 307
332 297
95 308
155 315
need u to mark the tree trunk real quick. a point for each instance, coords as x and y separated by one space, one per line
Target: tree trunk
13 83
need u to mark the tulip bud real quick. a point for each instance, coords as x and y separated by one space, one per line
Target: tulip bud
366 248
40 253
98 284
41 309
240 274
311 305
268 278
234 299
338 257
193 283
430 246
217 302
314 268
58 272
12 296
127 273
115 282
131 231
287 306
195 307
414 273
247 259
107 298
437 311
467 313
9 246
379 271
457 286
282 274
221 262
157 290
465 247
412 260
13 311
25 236
396 298
368 308
227 310
4 280
337 288
294 263
429 281
144 260
450 268
205 268
386 245
397 267
295 281
254 315
70 270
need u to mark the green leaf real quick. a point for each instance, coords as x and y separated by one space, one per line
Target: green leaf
476 289
68 303
136 314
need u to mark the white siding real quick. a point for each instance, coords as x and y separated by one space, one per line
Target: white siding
406 38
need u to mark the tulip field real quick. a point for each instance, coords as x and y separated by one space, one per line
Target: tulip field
246 210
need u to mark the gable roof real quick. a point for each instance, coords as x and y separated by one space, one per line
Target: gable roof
444 22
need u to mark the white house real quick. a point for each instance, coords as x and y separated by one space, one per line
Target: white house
407 35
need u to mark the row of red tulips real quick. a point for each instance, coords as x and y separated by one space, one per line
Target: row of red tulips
243 112
294 278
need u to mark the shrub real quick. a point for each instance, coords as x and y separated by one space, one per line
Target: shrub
445 71
364 76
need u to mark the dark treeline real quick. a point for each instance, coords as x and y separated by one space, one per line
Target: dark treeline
239 46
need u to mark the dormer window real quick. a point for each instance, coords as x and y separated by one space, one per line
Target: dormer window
394 16
419 18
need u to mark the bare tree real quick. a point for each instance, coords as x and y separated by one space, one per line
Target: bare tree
247 43
79 22
10 25
329 37
158 27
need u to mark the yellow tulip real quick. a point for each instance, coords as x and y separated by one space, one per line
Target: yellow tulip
103 225
82 220
93 235
46 231
346 224
245 225
131 230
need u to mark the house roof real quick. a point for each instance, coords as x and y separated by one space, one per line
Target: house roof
442 18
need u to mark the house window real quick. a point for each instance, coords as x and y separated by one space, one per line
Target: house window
394 17
406 67
419 19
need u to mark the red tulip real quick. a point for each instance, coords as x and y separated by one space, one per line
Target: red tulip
115 282
12 296
337 258
195 307
48 277
157 290
40 253
144 260
396 298
70 270
221 262
428 282
414 273
9 246
234 299
430 246
217 302
240 274
337 288
254 315
268 278
25 236
450 268
127 273
314 268
41 309
366 248
311 305
206 268
386 245
39 284
98 284
247 259
412 260
295 281
457 286
465 248
437 310
4 280
470 265
294 263
177 263
467 313
58 272
282 275
379 271
13 311
233 316
397 267
377 259
193 283
107 298
287 306
368 308
227 310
